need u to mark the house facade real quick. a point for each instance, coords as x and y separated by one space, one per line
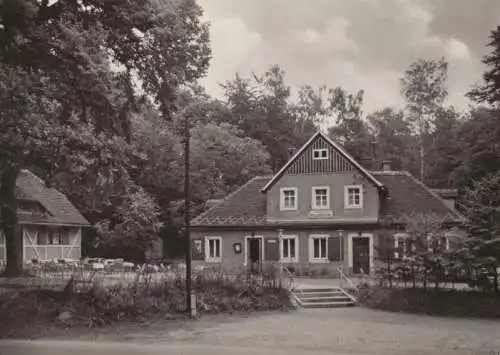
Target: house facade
49 224
322 210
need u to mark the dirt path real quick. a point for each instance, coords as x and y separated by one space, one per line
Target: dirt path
346 330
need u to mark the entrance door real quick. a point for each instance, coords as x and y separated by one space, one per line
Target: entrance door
361 255
254 248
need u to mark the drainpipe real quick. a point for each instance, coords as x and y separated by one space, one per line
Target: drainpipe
280 266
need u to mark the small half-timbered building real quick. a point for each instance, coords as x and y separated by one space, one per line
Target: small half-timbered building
50 225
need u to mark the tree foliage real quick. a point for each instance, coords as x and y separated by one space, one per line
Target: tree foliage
71 95
423 87
489 92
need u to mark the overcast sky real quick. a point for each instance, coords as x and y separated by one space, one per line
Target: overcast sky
356 44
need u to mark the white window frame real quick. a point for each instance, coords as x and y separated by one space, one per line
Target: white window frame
289 259
312 259
398 236
313 197
208 258
346 197
282 198
432 237
320 154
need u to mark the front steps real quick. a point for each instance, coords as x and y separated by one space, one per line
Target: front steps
323 297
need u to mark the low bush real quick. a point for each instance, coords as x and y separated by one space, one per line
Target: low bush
99 305
457 303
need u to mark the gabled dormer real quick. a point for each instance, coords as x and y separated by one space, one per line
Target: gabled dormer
322 182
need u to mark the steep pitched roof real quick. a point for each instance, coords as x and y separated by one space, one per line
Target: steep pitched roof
407 195
60 211
247 205
336 147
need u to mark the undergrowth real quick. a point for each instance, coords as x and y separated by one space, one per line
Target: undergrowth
93 304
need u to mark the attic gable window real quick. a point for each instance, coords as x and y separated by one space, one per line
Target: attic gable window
320 154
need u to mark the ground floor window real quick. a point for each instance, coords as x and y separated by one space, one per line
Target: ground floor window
437 243
318 247
52 236
213 249
403 246
289 248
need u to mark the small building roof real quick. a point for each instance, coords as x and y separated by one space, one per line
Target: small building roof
59 210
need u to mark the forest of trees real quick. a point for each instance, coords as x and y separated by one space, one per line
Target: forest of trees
94 96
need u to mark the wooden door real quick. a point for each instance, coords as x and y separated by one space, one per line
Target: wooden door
254 247
361 255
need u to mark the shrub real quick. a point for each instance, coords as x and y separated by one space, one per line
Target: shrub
100 305
432 302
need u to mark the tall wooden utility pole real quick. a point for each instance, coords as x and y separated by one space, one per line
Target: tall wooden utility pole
187 221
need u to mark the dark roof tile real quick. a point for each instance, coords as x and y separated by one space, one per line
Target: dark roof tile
406 195
246 205
60 210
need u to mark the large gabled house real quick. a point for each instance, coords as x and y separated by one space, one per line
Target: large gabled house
321 210
49 224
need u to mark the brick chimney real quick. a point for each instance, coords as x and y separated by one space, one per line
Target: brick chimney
386 165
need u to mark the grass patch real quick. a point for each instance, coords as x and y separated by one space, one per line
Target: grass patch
454 303
144 298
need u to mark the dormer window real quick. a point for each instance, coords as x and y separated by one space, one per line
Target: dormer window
320 154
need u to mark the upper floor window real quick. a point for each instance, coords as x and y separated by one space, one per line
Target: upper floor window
320 154
289 198
321 197
353 196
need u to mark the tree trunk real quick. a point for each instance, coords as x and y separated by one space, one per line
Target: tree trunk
8 211
422 134
422 160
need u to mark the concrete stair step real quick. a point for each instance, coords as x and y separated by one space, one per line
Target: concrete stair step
319 290
327 304
324 299
320 294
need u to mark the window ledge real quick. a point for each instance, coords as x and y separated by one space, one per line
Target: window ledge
289 261
287 209
319 261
